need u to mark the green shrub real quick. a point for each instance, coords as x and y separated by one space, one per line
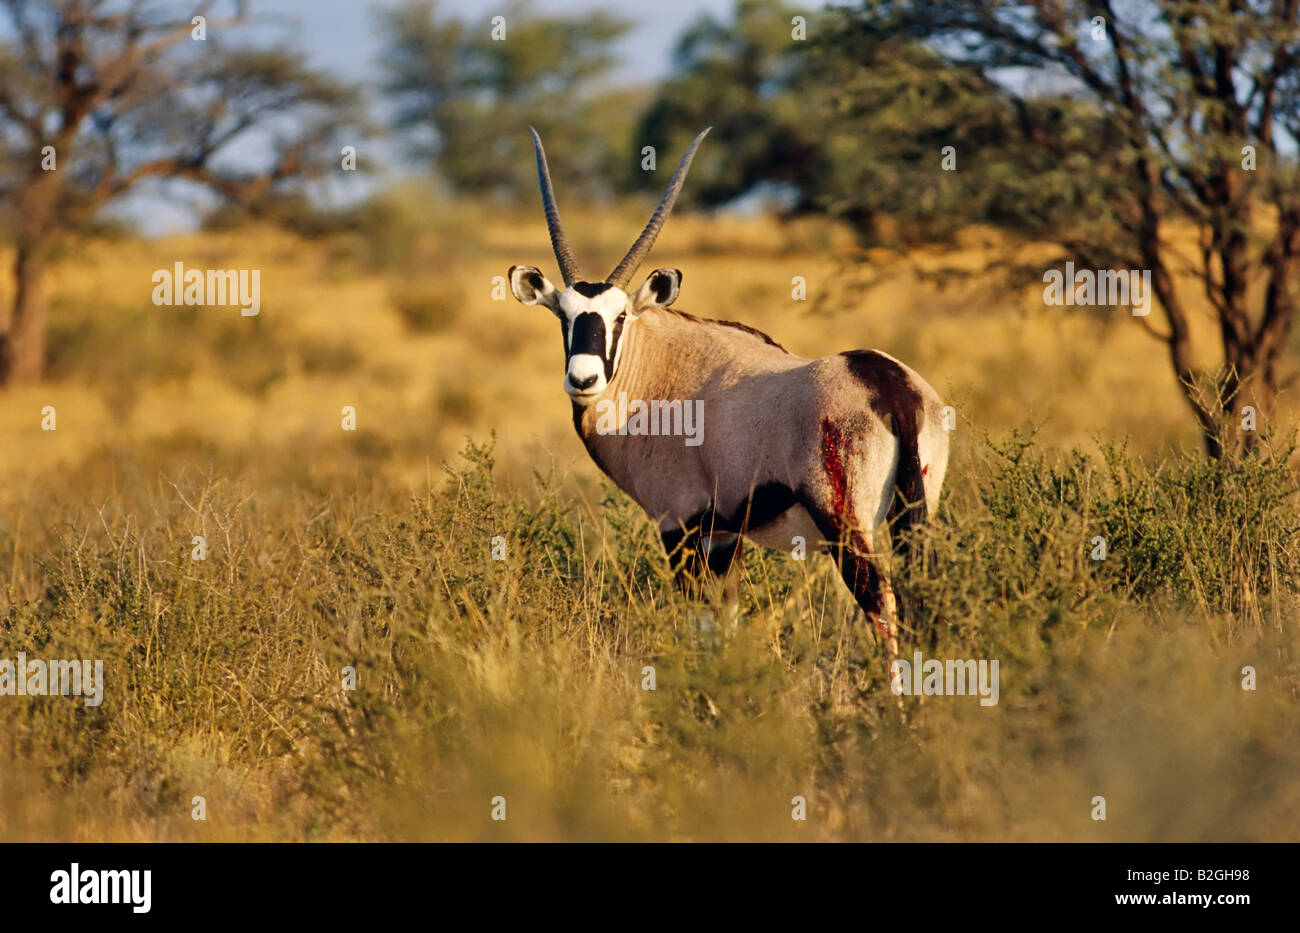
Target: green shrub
524 676
1056 538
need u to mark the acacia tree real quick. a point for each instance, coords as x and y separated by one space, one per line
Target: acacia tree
745 75
97 97
1200 103
465 91
849 121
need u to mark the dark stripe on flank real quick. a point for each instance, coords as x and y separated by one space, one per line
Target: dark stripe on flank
896 400
765 504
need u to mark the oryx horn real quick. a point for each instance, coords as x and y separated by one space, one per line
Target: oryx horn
559 242
636 255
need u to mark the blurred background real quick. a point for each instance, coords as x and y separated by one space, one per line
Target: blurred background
916 181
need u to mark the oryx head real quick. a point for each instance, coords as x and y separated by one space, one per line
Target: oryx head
594 314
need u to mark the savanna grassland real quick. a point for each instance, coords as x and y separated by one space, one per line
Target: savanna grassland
523 678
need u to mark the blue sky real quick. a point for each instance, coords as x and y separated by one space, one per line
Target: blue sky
341 33
341 37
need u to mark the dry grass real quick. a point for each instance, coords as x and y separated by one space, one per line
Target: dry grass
523 678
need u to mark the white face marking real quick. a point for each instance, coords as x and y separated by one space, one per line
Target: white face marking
609 305
585 378
586 374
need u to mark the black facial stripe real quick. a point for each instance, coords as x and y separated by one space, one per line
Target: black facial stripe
613 345
588 334
564 331
591 289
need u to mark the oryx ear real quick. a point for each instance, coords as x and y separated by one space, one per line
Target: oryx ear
659 291
532 288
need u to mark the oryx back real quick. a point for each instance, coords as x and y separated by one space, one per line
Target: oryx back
759 443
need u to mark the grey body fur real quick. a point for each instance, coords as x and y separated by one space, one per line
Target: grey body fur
825 449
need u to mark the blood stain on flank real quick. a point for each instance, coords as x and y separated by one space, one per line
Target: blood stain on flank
865 582
833 460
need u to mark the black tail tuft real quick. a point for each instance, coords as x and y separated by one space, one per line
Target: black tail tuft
907 510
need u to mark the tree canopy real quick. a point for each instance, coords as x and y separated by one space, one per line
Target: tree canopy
97 97
464 95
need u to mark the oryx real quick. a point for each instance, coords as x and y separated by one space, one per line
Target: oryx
823 449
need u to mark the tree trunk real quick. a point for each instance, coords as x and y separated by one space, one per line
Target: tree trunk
1179 340
22 348
1254 388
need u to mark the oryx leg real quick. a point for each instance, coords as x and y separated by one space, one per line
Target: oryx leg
698 558
847 510
855 557
684 557
724 554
